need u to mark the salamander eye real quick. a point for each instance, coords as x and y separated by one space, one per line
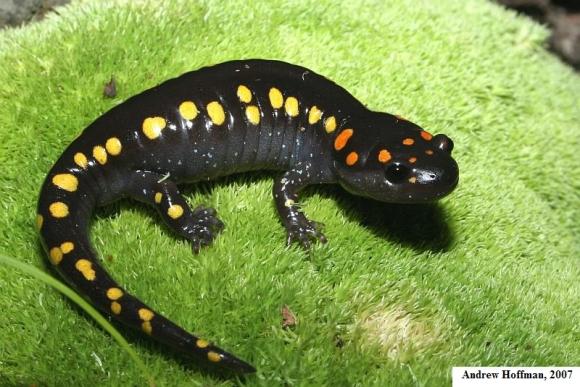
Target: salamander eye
397 173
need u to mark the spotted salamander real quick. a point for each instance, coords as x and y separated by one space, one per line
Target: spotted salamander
232 117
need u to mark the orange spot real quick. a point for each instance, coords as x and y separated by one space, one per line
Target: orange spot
429 152
201 343
426 135
412 180
384 156
351 159
408 141
342 139
412 160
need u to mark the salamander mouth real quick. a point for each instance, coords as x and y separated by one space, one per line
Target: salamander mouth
408 192
424 193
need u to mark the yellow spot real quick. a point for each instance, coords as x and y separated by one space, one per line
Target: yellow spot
146 326
81 160
253 114
39 221
412 160
153 126
426 135
289 203
58 209
412 180
214 356
330 124
113 146
175 211
55 255
100 154
158 197
145 314
314 115
114 294
244 94
115 307
408 141
351 159
291 106
276 98
67 247
201 343
429 152
342 139
216 113
188 110
86 268
66 181
384 156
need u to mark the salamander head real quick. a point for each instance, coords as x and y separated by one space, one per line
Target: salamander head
390 159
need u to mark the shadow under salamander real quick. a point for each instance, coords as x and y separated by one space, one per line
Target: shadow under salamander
421 227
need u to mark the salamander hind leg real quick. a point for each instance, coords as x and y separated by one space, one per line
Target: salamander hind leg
200 226
206 226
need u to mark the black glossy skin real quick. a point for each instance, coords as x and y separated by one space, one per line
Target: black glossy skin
191 149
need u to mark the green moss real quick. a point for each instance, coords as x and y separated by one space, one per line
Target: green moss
489 276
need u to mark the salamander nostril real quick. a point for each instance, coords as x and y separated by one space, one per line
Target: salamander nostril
442 142
396 173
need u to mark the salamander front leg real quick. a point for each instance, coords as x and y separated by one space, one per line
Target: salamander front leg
200 225
298 227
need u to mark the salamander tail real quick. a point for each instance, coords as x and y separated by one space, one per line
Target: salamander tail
64 210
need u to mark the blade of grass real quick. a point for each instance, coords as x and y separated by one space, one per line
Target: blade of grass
74 297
